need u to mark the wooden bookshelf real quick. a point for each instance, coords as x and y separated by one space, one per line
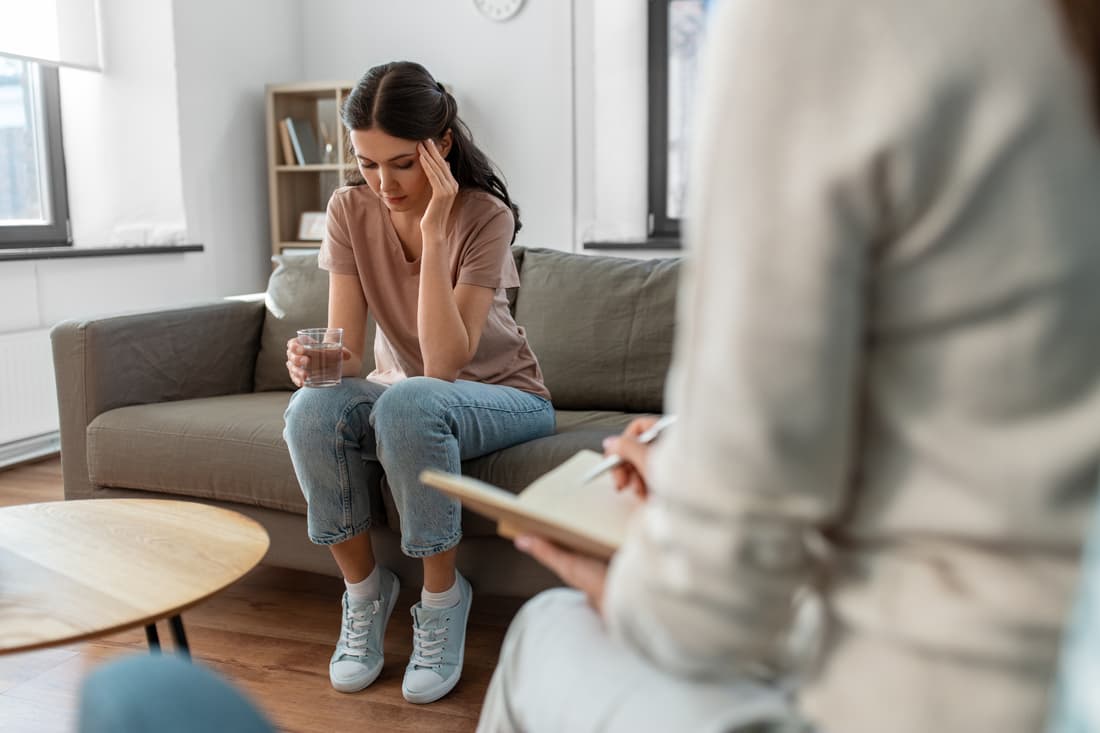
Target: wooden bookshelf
294 189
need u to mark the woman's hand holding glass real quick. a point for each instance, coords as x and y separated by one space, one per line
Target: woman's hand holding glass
297 362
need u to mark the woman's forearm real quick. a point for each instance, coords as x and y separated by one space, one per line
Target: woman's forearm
444 340
347 309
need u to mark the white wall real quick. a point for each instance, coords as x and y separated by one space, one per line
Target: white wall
121 128
166 141
225 53
172 130
512 80
122 149
612 189
170 134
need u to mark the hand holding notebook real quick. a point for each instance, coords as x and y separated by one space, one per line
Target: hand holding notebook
589 518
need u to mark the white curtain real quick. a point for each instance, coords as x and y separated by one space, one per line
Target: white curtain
620 95
60 32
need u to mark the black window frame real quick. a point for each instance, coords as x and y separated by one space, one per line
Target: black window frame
57 232
660 225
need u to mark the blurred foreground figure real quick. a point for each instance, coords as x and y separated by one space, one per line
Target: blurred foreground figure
888 381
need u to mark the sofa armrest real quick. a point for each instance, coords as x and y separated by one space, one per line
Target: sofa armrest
181 353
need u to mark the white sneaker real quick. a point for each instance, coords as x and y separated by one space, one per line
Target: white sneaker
357 661
439 644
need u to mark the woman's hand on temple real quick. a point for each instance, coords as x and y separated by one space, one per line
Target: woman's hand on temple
433 225
631 473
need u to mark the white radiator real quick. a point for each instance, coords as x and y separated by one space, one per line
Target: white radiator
28 397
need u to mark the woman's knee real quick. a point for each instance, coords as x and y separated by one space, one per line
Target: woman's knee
410 408
315 413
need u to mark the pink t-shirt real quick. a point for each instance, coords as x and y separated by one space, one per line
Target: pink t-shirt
360 240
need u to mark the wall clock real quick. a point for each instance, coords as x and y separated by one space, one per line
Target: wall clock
498 9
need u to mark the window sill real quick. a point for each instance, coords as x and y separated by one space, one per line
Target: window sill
656 243
60 253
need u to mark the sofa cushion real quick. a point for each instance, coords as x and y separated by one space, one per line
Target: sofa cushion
297 297
228 448
231 449
600 420
601 327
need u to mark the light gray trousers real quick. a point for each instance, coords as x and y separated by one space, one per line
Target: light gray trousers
559 670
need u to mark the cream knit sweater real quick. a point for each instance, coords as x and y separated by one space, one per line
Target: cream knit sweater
890 341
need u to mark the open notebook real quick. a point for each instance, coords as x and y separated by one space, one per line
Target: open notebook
589 518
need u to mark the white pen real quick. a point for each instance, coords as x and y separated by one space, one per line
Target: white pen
647 437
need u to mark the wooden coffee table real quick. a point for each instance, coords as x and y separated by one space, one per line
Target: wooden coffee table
74 570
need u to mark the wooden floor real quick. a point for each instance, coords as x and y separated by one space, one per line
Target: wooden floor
272 634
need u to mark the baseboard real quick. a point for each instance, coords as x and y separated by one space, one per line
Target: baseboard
29 449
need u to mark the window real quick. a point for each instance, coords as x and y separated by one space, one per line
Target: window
33 205
675 37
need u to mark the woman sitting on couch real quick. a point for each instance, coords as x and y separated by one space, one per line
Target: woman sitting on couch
423 247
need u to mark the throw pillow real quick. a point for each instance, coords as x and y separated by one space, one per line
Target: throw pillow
601 327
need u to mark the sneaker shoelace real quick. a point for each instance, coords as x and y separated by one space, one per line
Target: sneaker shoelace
358 628
428 647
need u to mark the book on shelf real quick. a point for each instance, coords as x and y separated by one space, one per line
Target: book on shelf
284 140
589 518
303 140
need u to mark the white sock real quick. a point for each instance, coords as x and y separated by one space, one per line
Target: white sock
446 599
366 589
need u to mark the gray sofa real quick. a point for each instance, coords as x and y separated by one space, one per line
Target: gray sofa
188 402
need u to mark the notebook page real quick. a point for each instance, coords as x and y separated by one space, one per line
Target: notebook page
595 508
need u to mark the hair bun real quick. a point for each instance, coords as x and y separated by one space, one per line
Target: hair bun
449 101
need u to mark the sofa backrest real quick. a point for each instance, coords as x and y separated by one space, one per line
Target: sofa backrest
601 327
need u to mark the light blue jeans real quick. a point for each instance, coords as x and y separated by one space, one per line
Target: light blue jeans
340 437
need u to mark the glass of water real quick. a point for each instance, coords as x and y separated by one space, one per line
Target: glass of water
325 349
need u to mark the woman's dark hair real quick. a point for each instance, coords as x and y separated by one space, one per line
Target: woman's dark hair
1081 19
403 100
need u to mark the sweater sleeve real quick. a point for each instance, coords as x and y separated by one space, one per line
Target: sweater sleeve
765 376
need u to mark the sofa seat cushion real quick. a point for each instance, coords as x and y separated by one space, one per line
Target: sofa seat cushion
607 421
228 448
231 448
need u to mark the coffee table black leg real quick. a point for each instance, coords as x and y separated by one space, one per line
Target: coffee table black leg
152 638
179 636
